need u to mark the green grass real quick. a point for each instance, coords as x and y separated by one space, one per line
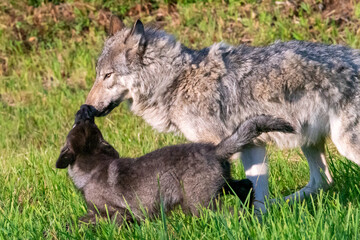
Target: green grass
44 80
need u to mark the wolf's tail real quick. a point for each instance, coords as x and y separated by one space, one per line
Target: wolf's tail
249 130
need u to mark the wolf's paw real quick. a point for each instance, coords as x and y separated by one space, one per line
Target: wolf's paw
259 210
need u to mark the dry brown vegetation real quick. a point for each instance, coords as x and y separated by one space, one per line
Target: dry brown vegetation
32 25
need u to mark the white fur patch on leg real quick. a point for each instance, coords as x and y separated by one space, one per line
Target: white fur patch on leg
256 170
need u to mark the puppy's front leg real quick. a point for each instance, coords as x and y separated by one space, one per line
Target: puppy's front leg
90 217
256 170
117 218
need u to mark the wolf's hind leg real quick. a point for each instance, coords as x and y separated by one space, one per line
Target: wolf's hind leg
320 177
345 134
256 170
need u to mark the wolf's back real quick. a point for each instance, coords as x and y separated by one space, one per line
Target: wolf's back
248 131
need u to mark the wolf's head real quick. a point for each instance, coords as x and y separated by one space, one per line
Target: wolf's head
122 53
85 141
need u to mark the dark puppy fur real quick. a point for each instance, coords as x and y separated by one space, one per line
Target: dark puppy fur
188 175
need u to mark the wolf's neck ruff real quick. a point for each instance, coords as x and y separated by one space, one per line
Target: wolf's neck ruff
152 89
169 73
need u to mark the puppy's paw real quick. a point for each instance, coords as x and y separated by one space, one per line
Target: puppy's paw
88 219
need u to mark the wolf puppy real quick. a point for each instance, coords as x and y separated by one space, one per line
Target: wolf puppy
207 93
188 175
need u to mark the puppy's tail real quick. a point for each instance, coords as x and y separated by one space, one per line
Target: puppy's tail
249 130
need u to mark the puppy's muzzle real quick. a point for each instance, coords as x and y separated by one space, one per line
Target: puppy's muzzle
86 112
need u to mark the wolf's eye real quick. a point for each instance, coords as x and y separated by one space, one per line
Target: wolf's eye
107 75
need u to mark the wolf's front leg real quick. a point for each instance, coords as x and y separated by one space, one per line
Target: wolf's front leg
256 170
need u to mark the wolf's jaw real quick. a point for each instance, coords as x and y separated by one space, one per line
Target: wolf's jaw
109 108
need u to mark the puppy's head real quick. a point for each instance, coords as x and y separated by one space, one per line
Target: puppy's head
84 140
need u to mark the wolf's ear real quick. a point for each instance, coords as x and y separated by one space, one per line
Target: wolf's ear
138 28
115 25
136 37
66 157
136 40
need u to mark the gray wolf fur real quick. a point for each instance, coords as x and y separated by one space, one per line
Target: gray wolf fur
188 175
205 94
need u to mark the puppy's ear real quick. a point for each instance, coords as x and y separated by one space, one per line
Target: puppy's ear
66 157
108 149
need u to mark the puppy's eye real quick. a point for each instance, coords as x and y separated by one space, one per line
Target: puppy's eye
107 75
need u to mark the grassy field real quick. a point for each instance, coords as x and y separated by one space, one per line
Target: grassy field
48 52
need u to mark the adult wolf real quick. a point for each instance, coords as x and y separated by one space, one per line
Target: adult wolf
206 94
